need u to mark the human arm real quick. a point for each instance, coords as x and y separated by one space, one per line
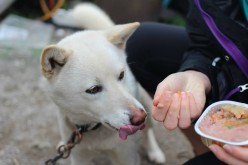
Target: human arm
181 97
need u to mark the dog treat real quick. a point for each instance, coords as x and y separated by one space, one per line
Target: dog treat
227 122
126 130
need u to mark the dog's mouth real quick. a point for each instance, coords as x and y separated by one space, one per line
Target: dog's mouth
109 125
128 129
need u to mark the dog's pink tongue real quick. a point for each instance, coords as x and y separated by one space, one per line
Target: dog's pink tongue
126 130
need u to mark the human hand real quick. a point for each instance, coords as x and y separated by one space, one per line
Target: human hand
231 155
179 98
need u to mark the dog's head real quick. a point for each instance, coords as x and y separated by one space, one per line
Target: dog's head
90 80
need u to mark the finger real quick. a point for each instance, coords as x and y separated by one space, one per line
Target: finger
194 112
156 100
184 114
222 155
159 112
171 119
238 152
158 93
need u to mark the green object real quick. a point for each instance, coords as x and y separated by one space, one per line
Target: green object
245 7
174 21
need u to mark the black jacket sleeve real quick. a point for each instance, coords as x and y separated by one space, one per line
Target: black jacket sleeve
204 48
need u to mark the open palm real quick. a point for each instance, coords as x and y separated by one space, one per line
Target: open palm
179 98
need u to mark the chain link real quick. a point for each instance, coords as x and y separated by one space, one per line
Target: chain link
64 150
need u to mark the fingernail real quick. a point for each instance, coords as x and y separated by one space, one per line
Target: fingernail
213 149
183 94
175 95
160 105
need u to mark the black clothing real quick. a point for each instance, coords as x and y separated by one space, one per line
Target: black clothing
154 51
204 48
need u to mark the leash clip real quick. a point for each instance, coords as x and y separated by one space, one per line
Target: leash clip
243 87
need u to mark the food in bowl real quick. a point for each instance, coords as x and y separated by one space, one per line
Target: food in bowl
225 122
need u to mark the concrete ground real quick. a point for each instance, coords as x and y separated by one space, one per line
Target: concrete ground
28 126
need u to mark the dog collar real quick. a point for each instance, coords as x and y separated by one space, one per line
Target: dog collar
88 127
82 128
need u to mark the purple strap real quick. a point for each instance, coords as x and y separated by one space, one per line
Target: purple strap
226 43
235 90
240 88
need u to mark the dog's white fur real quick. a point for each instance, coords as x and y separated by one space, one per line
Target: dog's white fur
83 15
84 73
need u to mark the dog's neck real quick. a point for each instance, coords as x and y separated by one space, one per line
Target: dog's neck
82 127
88 127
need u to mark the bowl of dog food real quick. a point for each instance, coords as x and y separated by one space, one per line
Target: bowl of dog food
224 122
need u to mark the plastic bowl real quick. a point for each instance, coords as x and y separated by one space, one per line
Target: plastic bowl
208 139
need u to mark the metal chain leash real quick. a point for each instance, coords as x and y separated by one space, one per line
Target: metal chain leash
64 150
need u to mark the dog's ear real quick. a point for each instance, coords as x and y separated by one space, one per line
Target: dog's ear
53 58
119 34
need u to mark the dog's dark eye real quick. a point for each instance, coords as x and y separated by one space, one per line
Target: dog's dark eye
94 89
121 75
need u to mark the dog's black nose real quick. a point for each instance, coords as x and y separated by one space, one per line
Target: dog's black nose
138 117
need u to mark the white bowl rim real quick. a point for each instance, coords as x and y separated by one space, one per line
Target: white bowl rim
206 112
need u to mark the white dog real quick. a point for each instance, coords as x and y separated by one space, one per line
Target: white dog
91 83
